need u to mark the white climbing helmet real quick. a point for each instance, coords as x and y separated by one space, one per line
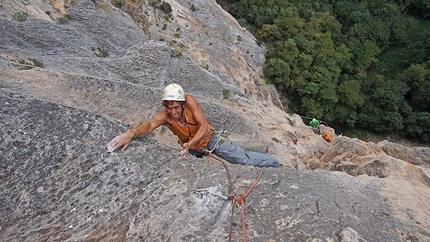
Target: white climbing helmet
173 92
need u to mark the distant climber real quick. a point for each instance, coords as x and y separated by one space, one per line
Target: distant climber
315 124
185 118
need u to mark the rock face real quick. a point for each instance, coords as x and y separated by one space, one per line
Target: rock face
61 184
67 89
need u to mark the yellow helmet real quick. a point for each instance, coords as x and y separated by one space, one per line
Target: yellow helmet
173 92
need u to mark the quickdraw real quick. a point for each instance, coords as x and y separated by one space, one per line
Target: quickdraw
205 191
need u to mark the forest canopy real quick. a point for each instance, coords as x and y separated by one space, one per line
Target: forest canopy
354 64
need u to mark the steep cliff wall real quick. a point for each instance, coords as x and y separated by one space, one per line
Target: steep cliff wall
67 89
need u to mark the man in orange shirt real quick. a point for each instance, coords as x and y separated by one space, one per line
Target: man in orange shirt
185 118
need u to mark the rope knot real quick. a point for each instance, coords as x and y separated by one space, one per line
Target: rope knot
238 198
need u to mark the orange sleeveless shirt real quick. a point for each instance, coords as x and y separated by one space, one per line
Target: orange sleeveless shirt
185 134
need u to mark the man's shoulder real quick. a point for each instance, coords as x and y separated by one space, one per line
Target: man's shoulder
162 118
190 100
189 97
162 115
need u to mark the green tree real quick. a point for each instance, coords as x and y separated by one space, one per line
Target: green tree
303 62
305 45
369 55
329 58
350 13
364 55
350 94
331 25
402 4
269 33
290 26
287 50
384 106
421 7
278 72
417 125
418 78
261 15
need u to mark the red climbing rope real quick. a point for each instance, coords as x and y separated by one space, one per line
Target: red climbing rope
238 199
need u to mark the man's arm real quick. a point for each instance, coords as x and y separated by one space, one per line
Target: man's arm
147 128
200 119
140 131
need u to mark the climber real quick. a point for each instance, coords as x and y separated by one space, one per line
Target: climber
315 124
185 118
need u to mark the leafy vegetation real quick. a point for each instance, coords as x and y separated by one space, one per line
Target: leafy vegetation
178 51
26 65
19 16
226 93
100 52
117 3
162 5
64 19
361 65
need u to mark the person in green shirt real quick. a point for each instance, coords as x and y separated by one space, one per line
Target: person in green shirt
315 124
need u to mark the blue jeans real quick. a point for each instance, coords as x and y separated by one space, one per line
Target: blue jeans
232 153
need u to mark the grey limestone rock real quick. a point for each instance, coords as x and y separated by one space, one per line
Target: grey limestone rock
67 89
60 183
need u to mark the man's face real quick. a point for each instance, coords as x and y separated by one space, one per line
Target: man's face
174 110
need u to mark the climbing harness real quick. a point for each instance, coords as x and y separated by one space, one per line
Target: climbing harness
214 143
217 144
239 198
